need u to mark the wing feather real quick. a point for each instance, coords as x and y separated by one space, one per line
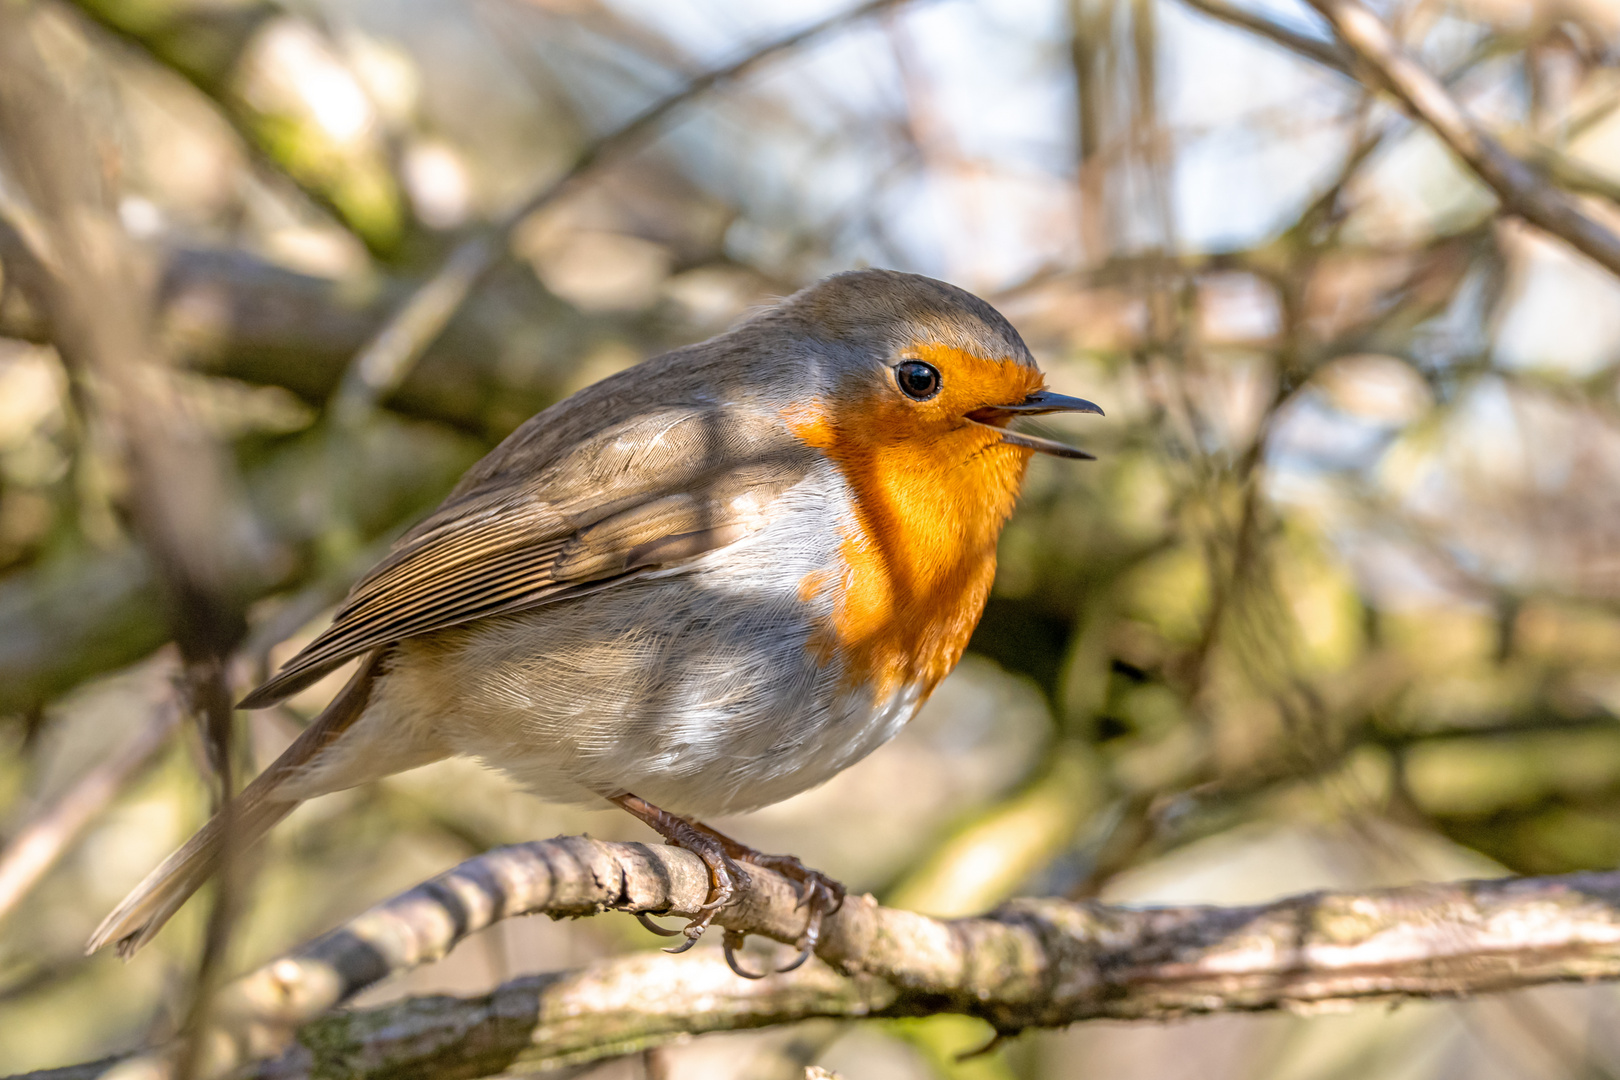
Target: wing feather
496 583
496 553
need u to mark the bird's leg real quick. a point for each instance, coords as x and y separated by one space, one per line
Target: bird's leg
724 873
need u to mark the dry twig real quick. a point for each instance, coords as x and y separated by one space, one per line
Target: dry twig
1567 172
1326 53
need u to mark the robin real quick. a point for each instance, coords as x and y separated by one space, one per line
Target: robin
700 586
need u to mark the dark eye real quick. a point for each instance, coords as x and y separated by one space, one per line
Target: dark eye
917 380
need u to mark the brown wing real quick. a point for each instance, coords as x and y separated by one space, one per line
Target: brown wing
500 557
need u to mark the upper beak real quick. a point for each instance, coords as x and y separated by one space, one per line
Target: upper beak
1038 404
1044 401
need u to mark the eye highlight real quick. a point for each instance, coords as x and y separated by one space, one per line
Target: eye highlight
917 380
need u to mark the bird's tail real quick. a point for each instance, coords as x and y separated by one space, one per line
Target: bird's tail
141 914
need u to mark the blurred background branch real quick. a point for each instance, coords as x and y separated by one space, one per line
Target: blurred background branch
1522 192
385 360
43 838
257 62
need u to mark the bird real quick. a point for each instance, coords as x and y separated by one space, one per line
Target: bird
699 586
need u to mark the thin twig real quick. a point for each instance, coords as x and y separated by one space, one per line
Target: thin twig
1327 53
387 358
1031 963
41 842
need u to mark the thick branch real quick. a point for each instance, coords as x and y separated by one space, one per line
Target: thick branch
1032 963
1520 188
232 314
503 359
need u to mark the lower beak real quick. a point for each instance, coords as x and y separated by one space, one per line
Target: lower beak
1039 403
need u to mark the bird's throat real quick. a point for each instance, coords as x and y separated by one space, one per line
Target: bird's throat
919 551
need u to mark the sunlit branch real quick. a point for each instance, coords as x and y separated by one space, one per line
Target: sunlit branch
1569 173
219 50
1030 963
1521 189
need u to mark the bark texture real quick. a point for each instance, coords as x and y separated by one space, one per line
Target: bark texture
1030 963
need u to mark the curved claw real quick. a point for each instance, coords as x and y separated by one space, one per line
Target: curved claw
733 940
720 854
807 940
662 931
806 950
693 930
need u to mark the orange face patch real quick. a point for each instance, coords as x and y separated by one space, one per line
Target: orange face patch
932 491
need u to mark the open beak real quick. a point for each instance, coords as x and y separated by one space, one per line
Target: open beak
1037 404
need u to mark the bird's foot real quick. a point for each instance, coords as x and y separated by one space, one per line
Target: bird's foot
819 894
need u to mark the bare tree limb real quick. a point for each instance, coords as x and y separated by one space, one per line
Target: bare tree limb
180 490
40 843
1569 173
65 622
1031 963
1520 188
234 315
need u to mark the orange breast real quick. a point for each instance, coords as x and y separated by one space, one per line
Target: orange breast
931 494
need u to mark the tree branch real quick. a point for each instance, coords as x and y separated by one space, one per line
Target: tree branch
1327 53
1031 963
234 315
1522 190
